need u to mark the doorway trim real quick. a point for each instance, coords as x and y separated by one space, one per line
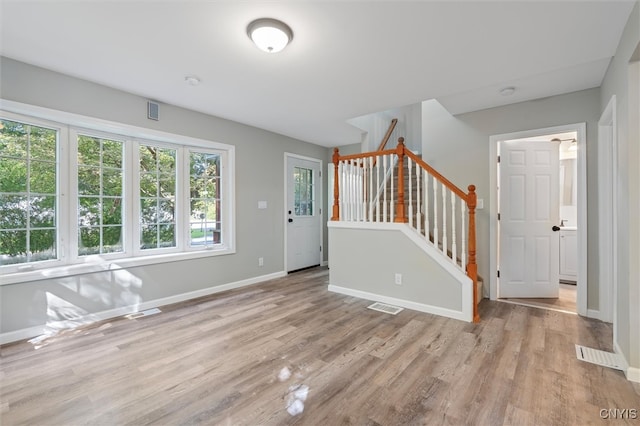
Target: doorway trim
608 211
287 156
494 140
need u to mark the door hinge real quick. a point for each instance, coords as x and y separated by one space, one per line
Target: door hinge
498 216
498 273
320 248
498 158
320 173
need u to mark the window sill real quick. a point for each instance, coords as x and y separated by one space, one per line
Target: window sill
105 265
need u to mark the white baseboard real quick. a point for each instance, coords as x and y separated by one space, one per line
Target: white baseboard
631 373
55 326
436 310
592 313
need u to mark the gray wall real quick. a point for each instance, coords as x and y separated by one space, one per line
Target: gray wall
259 176
367 260
458 147
616 82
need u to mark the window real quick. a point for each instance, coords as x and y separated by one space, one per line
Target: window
28 193
303 195
131 197
100 195
157 197
204 199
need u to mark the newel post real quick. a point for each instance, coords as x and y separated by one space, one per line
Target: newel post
472 267
336 188
400 213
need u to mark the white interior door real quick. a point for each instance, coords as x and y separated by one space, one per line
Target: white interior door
529 206
303 213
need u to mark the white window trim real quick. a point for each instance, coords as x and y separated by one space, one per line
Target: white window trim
69 124
225 188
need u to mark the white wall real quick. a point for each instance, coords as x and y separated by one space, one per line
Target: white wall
260 233
458 147
621 81
374 127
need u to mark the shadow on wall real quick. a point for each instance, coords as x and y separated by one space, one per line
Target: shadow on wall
74 301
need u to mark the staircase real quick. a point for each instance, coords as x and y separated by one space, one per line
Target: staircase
397 186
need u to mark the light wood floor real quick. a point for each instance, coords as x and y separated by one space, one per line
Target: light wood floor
247 356
565 302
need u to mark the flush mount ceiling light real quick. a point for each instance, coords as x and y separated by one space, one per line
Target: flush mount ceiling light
508 91
269 34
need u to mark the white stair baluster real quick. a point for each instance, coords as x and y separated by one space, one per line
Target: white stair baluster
350 185
392 196
435 212
377 198
427 230
346 190
454 253
341 188
418 204
409 169
463 235
359 182
384 188
444 220
371 195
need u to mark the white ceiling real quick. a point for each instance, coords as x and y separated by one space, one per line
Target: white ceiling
347 59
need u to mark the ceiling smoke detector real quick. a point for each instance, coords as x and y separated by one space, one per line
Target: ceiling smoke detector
192 80
508 91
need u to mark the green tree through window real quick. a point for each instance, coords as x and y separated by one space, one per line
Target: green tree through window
204 198
100 196
157 197
28 193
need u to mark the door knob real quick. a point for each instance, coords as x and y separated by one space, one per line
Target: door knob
291 220
555 228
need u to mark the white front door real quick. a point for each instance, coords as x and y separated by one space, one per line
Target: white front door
303 214
529 208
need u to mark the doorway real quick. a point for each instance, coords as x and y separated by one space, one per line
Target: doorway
303 212
570 297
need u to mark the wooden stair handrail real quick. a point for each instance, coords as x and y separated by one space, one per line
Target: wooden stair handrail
387 135
459 192
470 199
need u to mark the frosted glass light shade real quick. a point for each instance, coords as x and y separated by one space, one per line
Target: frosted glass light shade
269 34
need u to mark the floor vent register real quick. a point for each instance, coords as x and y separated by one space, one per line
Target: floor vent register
383 307
594 356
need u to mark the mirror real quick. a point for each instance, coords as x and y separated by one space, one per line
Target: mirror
568 175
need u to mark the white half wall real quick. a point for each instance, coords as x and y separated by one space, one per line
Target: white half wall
364 261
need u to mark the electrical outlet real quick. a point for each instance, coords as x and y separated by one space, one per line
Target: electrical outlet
398 279
261 261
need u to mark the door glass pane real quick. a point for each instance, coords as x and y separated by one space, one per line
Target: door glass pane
303 191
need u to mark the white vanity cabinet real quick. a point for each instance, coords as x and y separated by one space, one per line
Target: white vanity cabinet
568 254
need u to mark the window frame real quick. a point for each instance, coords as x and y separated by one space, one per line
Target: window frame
224 188
74 133
69 126
62 212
